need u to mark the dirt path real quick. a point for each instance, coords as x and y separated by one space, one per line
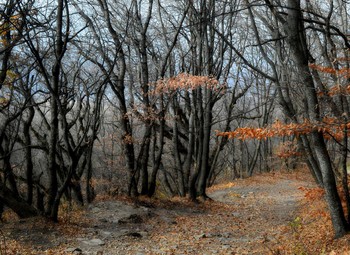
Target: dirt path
274 202
265 208
247 218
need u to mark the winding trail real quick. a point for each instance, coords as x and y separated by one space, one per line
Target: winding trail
265 208
273 202
249 216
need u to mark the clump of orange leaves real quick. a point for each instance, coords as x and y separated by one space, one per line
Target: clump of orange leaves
329 127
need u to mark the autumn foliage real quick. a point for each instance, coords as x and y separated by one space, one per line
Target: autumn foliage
186 82
341 72
288 149
330 127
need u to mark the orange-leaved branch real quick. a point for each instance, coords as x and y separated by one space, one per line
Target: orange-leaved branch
185 81
341 73
330 127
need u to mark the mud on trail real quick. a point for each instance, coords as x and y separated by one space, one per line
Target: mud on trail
245 217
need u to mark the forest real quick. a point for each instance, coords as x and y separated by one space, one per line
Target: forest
161 98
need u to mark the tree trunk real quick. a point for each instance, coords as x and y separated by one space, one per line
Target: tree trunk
16 203
190 150
158 157
90 191
28 154
176 154
143 162
345 172
9 175
297 41
252 164
204 170
340 225
193 191
311 161
54 131
66 182
1 209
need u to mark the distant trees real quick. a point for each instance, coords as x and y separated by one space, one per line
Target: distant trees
52 110
152 45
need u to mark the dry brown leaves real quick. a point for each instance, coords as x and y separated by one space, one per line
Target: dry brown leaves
28 237
243 226
312 228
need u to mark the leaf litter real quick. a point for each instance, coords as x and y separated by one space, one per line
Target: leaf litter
271 213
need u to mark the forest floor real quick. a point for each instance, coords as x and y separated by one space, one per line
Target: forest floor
273 213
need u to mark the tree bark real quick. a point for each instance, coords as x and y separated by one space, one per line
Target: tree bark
204 170
299 52
28 154
16 203
54 131
176 154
